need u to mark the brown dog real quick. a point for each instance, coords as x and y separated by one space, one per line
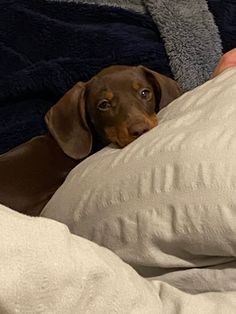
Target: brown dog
117 105
120 103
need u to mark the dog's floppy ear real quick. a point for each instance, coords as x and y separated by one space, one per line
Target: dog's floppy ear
66 121
166 89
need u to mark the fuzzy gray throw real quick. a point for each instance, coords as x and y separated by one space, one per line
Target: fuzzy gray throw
190 36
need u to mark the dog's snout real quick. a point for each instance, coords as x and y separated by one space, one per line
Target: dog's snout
137 130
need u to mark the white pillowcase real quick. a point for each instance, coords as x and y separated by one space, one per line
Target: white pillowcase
168 199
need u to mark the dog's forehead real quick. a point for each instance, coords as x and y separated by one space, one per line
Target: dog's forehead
117 77
115 69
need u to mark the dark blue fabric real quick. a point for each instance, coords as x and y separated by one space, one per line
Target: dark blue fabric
224 12
45 47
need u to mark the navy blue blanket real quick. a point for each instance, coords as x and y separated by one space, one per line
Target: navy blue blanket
45 47
224 12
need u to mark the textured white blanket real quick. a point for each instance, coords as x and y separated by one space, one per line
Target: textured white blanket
166 203
45 269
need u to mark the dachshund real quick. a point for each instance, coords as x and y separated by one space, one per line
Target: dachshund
117 105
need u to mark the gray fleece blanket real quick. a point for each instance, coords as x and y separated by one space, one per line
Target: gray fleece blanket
191 38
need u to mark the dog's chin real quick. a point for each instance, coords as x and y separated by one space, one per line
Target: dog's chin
121 137
121 143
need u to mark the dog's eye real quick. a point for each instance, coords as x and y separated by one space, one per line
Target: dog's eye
104 105
145 93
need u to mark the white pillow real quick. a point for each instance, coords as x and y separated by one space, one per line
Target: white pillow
168 199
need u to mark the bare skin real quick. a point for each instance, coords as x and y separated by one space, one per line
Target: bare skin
228 60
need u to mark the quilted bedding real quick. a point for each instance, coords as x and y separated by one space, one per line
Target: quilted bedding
167 204
45 269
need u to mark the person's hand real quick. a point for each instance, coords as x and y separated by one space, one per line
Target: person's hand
226 61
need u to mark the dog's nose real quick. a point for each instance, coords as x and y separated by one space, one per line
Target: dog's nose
137 130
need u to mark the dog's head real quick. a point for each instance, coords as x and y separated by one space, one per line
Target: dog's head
120 103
